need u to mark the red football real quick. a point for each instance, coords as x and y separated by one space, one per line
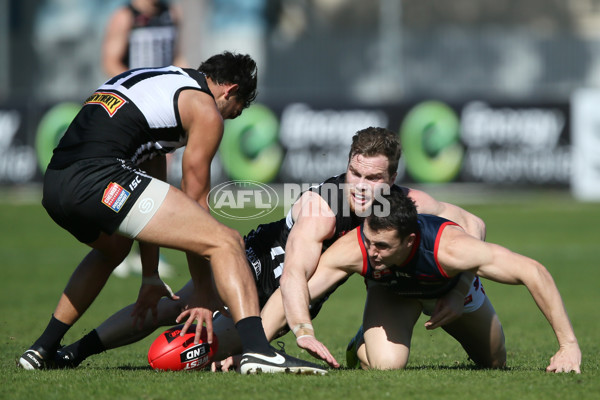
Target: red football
172 352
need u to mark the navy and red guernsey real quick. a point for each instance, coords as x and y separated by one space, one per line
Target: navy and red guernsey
332 191
420 275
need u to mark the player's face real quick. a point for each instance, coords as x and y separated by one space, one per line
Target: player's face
363 176
385 248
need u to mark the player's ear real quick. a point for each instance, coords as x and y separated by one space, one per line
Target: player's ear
410 240
231 90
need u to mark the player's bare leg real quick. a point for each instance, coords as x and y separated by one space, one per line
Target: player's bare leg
118 329
82 289
480 334
181 223
388 323
90 276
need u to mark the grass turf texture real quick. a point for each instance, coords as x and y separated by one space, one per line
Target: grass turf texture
38 257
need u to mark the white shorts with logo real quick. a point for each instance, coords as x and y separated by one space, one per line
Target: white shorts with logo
473 300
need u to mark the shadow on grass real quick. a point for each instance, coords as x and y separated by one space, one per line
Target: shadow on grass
131 368
457 367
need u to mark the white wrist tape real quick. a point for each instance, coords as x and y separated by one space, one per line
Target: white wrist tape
296 328
303 336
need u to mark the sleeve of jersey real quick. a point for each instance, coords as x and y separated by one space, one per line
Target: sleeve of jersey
437 244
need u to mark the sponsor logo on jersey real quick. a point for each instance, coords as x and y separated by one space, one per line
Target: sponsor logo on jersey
109 101
115 196
381 274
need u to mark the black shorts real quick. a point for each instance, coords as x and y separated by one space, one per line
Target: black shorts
265 252
93 195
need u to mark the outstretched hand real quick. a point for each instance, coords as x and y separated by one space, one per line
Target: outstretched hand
148 298
316 349
566 359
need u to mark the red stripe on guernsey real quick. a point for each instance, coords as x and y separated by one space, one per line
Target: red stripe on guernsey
363 251
437 244
414 250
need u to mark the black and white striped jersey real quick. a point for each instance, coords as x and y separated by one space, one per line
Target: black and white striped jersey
152 39
133 116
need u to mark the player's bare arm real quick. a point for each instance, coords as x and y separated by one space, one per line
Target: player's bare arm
202 118
202 302
343 258
273 316
204 126
428 205
459 251
115 42
314 223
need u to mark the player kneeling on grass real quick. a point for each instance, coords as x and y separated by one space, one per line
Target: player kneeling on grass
409 261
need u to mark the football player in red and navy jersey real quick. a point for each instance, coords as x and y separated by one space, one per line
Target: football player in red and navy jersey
372 162
409 261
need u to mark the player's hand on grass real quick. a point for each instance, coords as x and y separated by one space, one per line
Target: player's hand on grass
316 349
151 291
447 308
566 359
229 364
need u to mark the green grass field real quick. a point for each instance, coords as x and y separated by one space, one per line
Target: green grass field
37 258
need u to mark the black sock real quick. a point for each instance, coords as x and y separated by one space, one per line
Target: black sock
253 336
87 346
50 339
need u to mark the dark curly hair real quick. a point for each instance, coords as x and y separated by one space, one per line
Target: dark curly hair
400 215
370 142
233 68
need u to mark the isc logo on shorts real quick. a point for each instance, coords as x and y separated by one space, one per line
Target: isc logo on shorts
115 196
